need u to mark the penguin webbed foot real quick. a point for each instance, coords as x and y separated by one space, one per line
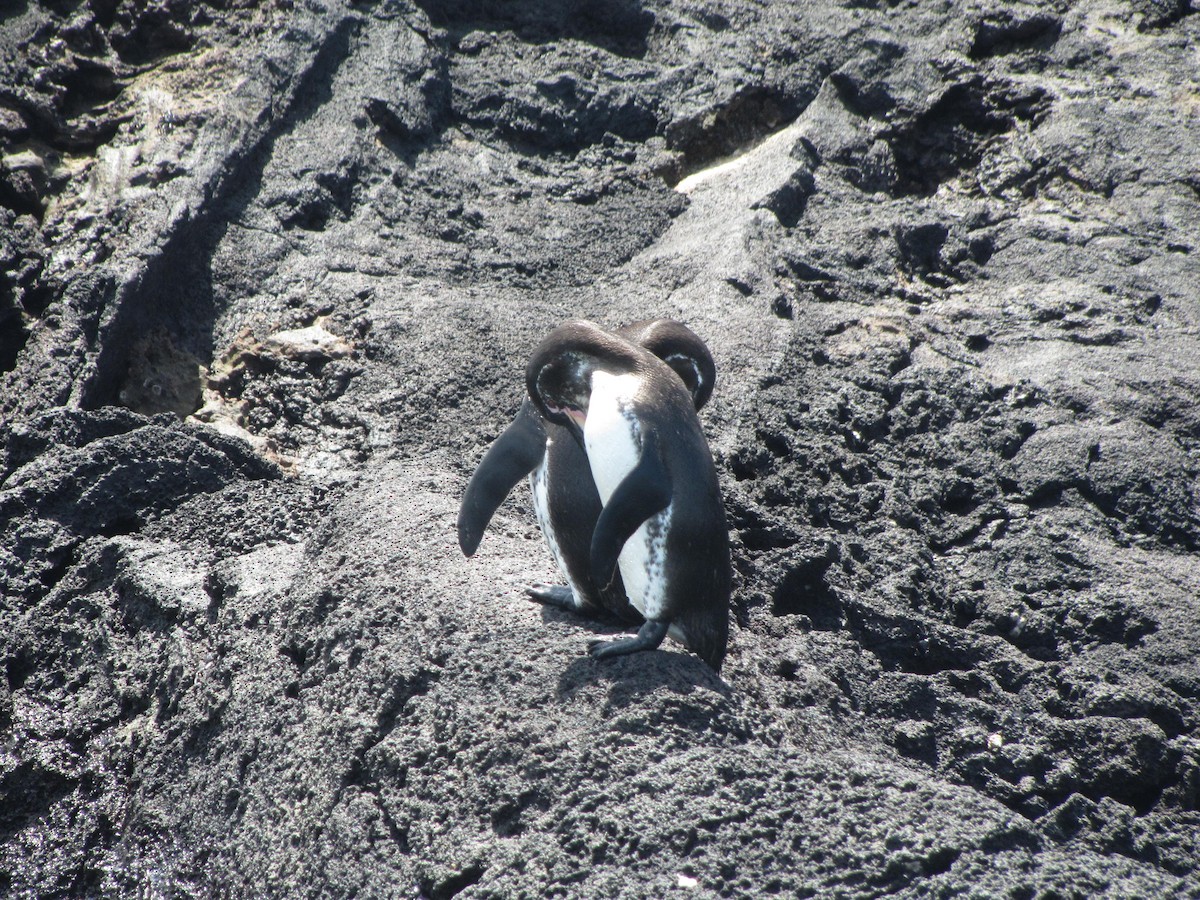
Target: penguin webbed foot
557 596
649 637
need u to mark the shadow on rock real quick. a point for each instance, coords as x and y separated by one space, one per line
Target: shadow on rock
631 679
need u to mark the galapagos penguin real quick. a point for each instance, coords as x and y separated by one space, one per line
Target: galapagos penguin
565 498
662 522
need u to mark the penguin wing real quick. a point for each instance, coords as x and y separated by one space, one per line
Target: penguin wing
645 491
511 457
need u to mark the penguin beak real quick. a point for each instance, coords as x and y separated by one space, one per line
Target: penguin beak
575 420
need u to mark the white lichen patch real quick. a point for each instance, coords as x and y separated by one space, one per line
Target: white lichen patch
316 342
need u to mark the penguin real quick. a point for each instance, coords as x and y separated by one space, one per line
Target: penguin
662 522
565 499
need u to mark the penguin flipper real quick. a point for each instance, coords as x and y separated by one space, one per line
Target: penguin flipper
645 491
649 637
511 457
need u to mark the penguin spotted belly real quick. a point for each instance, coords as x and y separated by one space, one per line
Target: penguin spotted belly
539 487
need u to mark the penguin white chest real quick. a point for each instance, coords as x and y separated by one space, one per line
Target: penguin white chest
612 437
611 434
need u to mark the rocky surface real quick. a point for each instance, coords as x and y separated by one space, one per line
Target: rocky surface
269 273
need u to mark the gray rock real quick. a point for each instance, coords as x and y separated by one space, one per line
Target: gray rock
945 260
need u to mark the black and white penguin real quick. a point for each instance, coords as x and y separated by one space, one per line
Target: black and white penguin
564 495
662 523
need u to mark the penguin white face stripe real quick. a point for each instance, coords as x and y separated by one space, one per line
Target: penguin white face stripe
676 358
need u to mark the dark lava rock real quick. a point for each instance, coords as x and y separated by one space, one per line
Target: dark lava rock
945 258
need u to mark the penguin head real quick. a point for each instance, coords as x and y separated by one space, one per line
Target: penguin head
563 389
559 375
681 349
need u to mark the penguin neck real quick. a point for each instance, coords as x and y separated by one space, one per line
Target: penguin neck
611 389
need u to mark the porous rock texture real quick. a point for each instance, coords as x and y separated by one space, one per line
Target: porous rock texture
269 275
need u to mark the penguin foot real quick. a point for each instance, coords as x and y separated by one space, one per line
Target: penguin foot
558 596
649 636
